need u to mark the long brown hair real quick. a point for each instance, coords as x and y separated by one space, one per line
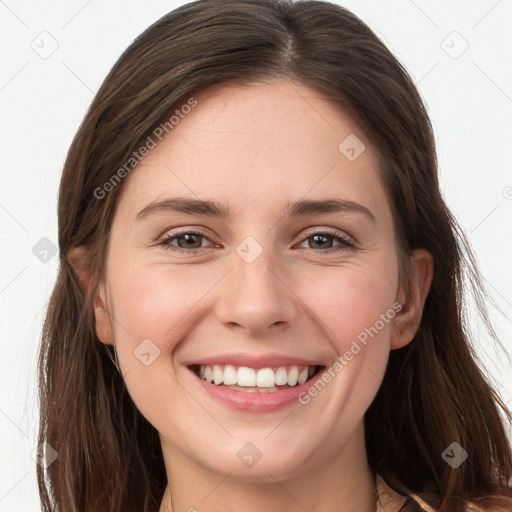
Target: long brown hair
434 393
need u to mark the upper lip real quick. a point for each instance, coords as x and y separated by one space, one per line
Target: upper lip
252 361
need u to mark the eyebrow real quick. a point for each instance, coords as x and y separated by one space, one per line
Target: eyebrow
194 206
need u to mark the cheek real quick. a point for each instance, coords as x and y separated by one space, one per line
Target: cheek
154 307
154 301
351 302
160 302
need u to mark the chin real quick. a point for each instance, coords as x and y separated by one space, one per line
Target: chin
261 460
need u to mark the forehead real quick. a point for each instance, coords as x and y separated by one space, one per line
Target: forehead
255 144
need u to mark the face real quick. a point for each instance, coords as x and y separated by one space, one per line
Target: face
260 295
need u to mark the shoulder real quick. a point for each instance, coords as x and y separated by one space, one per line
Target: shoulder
389 500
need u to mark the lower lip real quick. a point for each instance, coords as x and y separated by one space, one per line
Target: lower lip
256 402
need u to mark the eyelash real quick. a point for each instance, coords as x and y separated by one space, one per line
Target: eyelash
345 244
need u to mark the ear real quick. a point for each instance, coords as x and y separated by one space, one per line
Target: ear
77 258
412 296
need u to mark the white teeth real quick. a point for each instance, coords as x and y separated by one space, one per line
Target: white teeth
293 375
218 375
248 379
251 390
246 376
268 390
266 378
230 375
281 376
303 376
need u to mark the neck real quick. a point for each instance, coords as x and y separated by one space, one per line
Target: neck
343 483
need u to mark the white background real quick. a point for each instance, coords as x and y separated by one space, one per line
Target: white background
42 102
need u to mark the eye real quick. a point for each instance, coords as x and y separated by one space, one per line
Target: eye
320 238
188 241
191 241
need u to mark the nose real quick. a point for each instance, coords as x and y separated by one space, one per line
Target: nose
257 296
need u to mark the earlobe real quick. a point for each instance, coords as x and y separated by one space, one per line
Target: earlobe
413 298
102 317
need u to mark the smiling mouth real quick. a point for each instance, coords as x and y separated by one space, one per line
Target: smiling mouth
256 380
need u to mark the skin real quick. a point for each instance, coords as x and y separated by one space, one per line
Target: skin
255 147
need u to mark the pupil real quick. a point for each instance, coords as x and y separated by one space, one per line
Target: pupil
188 238
316 237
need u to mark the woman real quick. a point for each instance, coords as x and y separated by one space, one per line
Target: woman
259 299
